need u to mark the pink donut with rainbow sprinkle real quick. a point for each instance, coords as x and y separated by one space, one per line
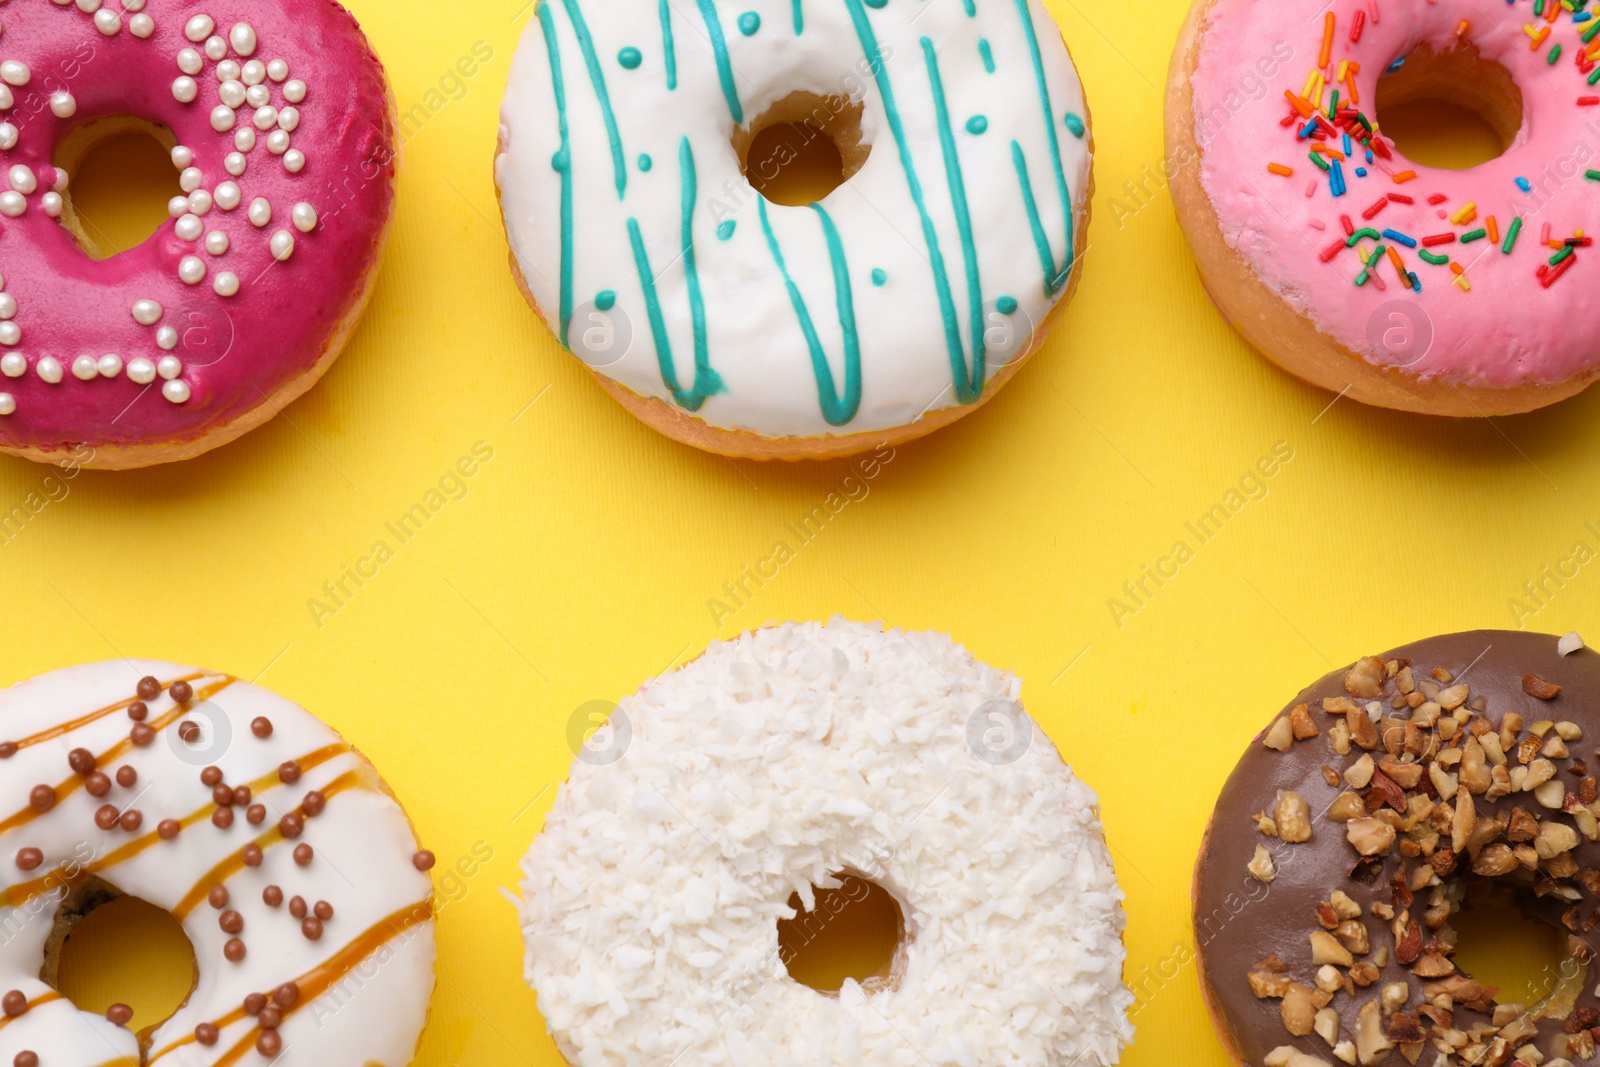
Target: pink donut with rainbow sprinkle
1446 292
280 123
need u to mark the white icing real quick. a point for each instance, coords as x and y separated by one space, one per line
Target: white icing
754 341
652 896
362 866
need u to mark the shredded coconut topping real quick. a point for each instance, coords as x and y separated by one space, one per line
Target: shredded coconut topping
762 769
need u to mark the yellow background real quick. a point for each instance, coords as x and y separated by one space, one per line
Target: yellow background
582 558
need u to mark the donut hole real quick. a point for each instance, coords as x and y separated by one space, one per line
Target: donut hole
1502 947
110 948
855 930
121 180
802 148
1450 110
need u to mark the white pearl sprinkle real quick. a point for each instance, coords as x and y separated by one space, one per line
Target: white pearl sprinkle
178 206
8 403
12 204
254 72
7 98
133 5
228 70
88 7
199 28
288 118
52 204
185 90
266 118
216 242
10 334
245 139
147 312
177 392
232 93
258 96
8 306
15 72
282 245
227 196
294 91
305 217
226 284
260 212
167 338
243 39
49 370
200 202
235 163
190 179
13 365
85 368
192 269
22 179
190 227
182 157
216 48
63 105
2 283
277 70
61 180
277 142
222 118
190 61
294 161
141 26
110 365
169 367
8 136
141 370
108 22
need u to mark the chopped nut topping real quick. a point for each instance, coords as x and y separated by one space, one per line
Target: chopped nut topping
1261 867
1371 837
1538 688
1297 1010
1292 816
1366 678
1325 948
1280 735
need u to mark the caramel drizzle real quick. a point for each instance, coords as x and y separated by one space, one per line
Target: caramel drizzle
20 894
84 720
319 979
42 998
235 862
116 751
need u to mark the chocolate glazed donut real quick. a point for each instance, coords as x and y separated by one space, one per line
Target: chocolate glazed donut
1382 798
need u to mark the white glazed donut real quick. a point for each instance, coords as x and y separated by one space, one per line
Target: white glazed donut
109 785
890 307
764 768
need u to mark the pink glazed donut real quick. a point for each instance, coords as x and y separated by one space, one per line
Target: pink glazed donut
1449 292
280 121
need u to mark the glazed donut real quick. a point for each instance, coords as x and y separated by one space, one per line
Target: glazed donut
290 866
278 119
892 306
1362 271
799 756
1385 798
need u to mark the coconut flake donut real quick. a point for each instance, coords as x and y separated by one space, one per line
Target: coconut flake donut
278 117
1385 798
292 869
892 306
781 761
1408 286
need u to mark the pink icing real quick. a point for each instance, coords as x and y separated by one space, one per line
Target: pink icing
236 351
1508 330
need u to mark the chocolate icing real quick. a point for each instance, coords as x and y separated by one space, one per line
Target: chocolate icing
1239 921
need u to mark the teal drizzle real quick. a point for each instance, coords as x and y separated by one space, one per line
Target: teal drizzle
876 3
972 8
561 161
707 382
725 229
749 23
1074 124
958 203
598 79
836 410
719 48
799 18
1005 305
986 54
965 392
879 276
1053 276
667 51
605 299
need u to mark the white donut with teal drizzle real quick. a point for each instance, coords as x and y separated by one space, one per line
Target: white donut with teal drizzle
893 304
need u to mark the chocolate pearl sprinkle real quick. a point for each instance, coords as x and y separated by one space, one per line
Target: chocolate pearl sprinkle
221 795
189 731
289 773
119 1014
148 688
131 820
206 1034
254 1002
127 776
312 928
81 760
251 855
233 950
141 734
42 798
241 795
270 1018
97 784
315 803
137 711
181 692
106 816
269 1043
7 749
256 814
297 907
272 896
302 855
231 922
218 897
261 727
423 860
26 1058
211 776
323 910
14 1003
168 829
29 858
286 995
291 825
222 818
